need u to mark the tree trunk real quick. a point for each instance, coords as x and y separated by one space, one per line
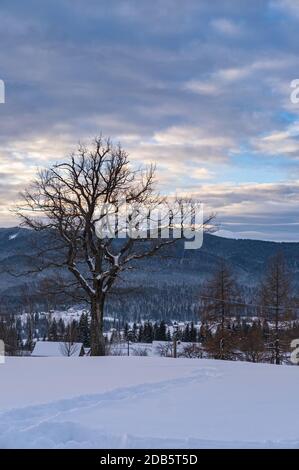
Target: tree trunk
277 342
277 351
97 339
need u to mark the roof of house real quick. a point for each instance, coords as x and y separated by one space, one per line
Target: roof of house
56 349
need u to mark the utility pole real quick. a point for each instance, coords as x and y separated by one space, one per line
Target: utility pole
175 330
130 335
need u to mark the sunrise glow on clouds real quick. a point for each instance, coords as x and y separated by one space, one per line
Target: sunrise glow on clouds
200 88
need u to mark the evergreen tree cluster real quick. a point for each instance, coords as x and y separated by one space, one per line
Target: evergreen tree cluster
39 327
74 331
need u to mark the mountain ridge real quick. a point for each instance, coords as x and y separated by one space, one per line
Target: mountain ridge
178 271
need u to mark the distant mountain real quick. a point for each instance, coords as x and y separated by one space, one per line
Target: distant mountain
176 271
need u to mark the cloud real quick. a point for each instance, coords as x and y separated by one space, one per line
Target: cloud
222 80
226 26
267 211
191 136
201 88
280 142
286 6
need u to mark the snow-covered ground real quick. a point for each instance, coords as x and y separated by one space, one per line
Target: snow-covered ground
147 402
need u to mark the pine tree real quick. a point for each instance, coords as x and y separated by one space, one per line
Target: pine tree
156 331
19 327
126 331
9 335
161 331
193 333
30 331
186 334
53 332
134 332
60 329
140 334
148 333
84 330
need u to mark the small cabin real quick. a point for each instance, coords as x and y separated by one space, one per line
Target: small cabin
57 349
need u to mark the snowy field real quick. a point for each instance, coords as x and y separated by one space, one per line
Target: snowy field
131 402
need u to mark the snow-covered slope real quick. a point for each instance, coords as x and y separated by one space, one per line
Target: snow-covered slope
147 402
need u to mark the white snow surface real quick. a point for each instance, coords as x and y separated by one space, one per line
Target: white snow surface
147 402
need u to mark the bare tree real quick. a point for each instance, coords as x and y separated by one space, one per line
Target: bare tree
252 345
140 351
192 351
220 299
276 299
47 292
64 203
9 335
28 299
165 349
69 346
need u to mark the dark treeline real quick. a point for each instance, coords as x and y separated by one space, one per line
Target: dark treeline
241 339
147 332
226 322
19 336
162 302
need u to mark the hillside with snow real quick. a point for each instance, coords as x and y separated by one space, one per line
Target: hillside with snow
161 282
143 402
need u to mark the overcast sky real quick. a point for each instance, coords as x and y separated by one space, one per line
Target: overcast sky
200 87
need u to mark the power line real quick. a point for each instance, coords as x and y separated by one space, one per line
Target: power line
243 304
